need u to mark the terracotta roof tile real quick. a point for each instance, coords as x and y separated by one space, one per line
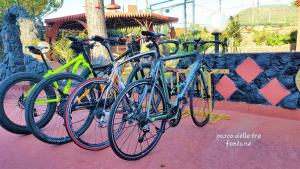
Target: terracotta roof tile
112 15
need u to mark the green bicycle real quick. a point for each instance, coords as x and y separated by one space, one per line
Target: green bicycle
17 87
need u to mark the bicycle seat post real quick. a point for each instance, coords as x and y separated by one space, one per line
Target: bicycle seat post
86 54
153 40
45 61
38 51
107 47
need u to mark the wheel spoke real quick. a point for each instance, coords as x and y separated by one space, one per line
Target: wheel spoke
140 142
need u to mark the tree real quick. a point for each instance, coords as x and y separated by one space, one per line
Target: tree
96 25
36 8
234 32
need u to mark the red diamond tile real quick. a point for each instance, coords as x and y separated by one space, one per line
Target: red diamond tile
226 87
274 92
248 70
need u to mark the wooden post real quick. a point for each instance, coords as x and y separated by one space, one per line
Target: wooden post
185 16
96 25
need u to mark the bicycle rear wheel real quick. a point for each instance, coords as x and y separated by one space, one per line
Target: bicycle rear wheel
138 136
199 101
39 102
87 113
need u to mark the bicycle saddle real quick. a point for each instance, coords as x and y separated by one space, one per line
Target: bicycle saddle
152 34
36 49
102 39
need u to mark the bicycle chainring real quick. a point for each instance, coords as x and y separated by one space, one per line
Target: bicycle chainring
174 121
61 108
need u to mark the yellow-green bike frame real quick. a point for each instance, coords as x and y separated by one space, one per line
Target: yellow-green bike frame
75 64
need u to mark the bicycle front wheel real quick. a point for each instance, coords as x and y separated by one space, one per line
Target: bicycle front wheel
138 135
200 101
13 93
50 108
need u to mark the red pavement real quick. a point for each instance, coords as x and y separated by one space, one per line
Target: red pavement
184 147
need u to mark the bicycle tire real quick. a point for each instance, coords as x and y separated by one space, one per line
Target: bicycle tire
8 83
29 108
202 100
76 134
7 123
111 136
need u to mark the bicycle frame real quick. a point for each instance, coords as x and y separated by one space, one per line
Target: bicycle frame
114 78
81 60
157 73
78 61
117 71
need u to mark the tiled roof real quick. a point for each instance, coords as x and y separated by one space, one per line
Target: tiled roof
112 15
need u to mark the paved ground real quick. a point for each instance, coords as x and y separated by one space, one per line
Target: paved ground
184 147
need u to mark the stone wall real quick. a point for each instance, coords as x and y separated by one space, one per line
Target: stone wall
14 59
256 78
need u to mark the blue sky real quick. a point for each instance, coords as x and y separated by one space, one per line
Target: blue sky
203 7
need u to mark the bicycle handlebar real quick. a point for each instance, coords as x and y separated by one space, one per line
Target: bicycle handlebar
199 42
176 42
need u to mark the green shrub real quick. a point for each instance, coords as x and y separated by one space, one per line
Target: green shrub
115 32
273 39
62 47
260 37
233 32
276 39
63 51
